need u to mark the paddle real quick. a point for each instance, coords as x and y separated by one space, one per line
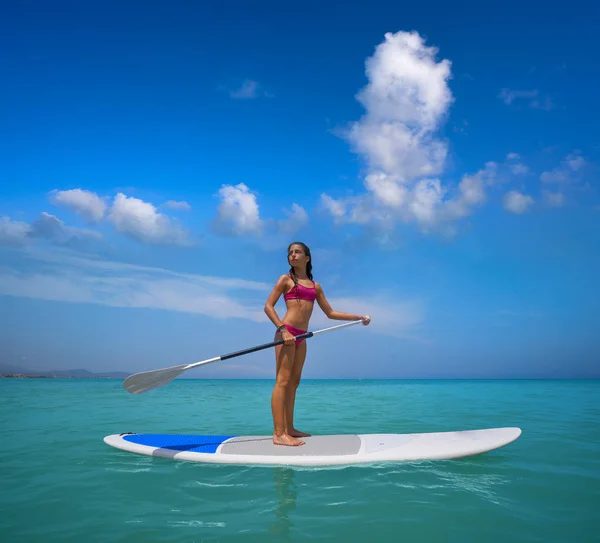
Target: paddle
147 380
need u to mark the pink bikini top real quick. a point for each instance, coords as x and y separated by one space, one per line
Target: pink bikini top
301 293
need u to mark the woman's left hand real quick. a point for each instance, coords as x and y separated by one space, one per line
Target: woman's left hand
366 320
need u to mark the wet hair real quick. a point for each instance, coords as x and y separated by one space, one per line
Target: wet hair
308 264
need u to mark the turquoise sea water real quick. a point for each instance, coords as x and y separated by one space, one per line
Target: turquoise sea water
60 482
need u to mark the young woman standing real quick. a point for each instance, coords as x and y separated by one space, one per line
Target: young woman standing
299 292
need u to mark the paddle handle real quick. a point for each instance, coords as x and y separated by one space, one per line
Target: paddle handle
272 344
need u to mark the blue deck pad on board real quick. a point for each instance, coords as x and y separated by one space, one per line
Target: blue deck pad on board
201 444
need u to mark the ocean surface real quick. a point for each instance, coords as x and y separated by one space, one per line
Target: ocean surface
60 482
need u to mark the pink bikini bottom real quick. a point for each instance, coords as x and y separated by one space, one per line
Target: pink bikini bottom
295 332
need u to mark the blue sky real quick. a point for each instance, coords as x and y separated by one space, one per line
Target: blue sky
440 161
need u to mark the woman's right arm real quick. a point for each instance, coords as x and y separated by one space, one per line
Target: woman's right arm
273 298
279 289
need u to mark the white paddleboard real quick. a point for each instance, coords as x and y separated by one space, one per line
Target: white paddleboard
322 450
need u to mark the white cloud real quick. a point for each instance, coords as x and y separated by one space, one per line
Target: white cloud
130 216
471 192
53 229
425 201
544 103
508 96
65 276
567 172
554 199
516 202
83 202
386 190
13 232
70 277
184 206
575 161
406 100
558 175
238 212
519 169
515 165
46 227
141 221
249 90
297 219
532 97
336 208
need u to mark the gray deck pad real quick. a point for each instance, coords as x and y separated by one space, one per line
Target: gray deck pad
313 446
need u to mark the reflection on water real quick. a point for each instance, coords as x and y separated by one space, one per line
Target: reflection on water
285 486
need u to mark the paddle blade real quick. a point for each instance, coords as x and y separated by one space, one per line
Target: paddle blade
147 380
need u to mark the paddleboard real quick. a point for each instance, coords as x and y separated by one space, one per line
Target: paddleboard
319 450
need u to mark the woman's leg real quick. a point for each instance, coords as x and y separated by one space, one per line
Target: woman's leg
284 359
299 358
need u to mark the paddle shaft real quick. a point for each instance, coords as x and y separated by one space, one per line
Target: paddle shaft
272 344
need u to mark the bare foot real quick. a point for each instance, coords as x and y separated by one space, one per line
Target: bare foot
298 433
287 440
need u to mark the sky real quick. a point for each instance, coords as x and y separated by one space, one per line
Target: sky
441 161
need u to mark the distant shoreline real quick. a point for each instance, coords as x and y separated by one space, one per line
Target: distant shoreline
313 379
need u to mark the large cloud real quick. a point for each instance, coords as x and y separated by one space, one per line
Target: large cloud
13 232
238 214
47 227
83 202
406 101
53 229
517 202
141 221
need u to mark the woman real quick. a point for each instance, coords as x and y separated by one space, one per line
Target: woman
299 292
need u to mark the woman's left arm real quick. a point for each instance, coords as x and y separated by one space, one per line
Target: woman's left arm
337 315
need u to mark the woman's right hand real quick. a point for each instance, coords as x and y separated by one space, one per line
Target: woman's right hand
287 337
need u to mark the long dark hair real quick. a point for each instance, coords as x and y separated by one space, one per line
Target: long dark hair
308 264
